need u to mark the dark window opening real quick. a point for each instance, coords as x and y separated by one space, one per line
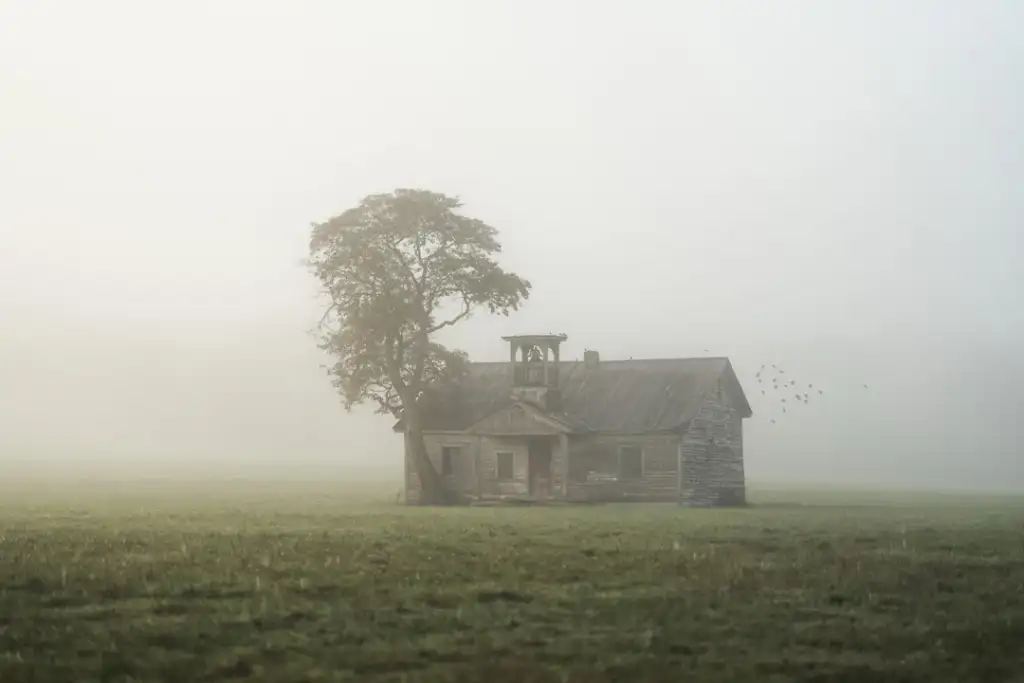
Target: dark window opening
505 469
448 457
631 462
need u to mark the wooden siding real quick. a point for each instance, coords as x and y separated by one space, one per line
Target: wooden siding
699 468
489 486
594 468
517 419
463 477
711 456
475 471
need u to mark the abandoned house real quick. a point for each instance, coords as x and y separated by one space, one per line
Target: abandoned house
537 427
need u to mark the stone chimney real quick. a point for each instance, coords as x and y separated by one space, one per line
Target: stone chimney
591 359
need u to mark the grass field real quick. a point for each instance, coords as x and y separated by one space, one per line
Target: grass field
222 583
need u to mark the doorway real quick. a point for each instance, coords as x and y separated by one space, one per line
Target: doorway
539 471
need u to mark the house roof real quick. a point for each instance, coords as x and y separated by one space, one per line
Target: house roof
632 396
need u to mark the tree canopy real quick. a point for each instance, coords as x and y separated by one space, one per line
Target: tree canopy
397 269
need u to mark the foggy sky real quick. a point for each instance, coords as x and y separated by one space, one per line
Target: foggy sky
833 187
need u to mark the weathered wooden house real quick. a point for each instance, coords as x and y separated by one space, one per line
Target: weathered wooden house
541 428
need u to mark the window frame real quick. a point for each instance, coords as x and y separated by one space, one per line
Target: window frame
512 466
643 464
448 463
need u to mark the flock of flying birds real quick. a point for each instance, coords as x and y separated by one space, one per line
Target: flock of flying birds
773 382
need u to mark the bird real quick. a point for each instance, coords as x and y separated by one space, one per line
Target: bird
783 410
865 386
762 392
820 392
773 420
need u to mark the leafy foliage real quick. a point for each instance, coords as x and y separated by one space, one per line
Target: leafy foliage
358 377
399 268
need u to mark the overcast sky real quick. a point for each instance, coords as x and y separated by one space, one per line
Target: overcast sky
833 187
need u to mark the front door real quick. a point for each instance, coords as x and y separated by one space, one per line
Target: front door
540 468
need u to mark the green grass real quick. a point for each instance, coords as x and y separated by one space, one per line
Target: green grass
200 583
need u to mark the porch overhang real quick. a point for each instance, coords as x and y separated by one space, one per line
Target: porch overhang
519 419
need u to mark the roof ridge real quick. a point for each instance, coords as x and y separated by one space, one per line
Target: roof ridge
627 395
603 361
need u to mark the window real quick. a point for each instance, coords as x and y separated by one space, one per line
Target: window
448 456
631 462
505 469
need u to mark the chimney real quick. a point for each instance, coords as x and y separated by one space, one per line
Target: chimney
591 359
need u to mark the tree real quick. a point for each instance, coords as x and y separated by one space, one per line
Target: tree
399 268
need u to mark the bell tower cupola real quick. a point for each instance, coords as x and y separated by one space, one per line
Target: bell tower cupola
533 368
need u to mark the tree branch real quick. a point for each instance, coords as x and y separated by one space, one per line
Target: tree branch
441 249
467 307
405 265
330 309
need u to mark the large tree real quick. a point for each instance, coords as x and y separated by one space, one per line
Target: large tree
397 269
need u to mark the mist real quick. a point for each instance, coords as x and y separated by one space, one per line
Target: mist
834 188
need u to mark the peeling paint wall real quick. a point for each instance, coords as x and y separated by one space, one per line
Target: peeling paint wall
475 470
516 420
463 477
594 472
712 471
703 467
490 485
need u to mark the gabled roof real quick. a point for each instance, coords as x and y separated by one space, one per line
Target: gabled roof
631 396
524 417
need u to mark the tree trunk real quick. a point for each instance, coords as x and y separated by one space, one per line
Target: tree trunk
431 487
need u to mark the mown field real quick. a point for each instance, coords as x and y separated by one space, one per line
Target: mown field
228 583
